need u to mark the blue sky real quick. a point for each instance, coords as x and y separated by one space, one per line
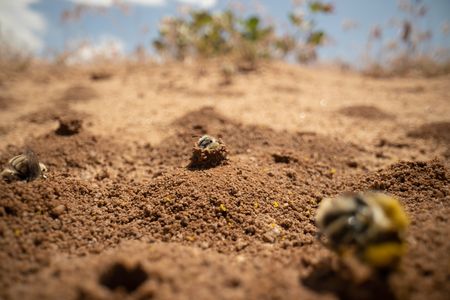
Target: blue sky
37 25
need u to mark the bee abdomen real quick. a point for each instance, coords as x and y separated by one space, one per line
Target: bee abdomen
384 254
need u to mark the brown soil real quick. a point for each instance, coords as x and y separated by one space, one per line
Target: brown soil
364 112
121 214
6 101
69 126
78 93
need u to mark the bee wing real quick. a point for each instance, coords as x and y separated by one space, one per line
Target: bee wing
26 165
33 167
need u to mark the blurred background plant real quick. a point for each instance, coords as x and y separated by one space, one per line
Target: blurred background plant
307 38
238 34
409 51
205 35
12 57
246 39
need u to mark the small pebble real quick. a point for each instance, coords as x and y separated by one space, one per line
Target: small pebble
58 210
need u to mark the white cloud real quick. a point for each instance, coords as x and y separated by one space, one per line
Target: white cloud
107 47
22 26
112 2
201 3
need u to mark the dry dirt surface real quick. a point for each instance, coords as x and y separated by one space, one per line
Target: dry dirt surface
121 216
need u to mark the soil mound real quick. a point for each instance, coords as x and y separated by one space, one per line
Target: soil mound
117 220
78 93
257 141
261 222
365 112
408 177
69 126
234 202
439 131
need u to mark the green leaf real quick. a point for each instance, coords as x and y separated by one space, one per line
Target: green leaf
158 45
252 24
285 44
295 19
318 6
315 6
200 19
316 38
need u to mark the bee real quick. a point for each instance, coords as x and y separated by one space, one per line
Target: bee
25 166
369 225
208 152
207 142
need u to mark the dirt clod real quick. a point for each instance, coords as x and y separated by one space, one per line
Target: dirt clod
58 210
68 126
283 158
121 276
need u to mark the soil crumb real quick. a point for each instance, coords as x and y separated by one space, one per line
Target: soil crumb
68 126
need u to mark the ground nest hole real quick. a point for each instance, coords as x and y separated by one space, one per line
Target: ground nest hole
121 276
283 158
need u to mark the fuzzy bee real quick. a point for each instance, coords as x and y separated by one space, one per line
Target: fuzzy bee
208 142
208 152
25 166
370 226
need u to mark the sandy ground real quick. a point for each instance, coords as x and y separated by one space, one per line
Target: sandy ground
121 216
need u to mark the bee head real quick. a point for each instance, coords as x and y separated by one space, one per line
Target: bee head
8 175
44 170
205 141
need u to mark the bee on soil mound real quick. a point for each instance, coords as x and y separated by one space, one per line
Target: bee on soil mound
208 152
